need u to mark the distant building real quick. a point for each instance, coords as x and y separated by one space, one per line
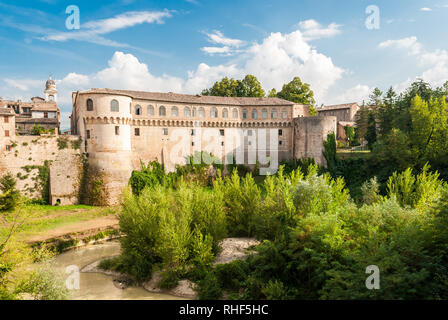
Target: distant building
345 114
39 111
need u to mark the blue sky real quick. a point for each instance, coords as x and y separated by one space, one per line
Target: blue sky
184 46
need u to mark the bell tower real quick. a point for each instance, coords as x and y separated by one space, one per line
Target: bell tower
51 93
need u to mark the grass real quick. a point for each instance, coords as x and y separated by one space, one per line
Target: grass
44 218
347 153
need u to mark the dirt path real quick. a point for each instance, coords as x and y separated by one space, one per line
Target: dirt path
110 221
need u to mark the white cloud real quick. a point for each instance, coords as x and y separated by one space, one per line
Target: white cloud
358 93
425 9
311 29
410 43
214 50
275 61
281 57
92 31
218 38
229 45
435 62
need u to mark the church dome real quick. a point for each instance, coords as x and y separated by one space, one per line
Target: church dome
50 83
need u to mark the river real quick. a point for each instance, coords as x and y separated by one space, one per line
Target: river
97 286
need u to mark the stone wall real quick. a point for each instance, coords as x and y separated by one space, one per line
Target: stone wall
40 164
309 135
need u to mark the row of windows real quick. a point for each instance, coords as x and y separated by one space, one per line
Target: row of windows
191 112
165 132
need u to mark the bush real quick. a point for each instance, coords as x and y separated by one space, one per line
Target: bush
208 288
10 196
242 198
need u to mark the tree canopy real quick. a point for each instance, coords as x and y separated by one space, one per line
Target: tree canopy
298 92
248 87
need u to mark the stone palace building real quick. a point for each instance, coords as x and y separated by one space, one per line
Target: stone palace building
116 130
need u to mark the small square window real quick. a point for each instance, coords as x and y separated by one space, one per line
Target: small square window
8 148
88 134
222 143
137 131
221 132
192 143
280 142
193 132
6 119
6 133
250 143
249 132
165 131
117 130
280 132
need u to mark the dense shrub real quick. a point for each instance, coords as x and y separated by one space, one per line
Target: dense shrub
9 196
317 241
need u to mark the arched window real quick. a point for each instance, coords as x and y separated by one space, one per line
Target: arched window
235 113
89 104
187 112
213 113
162 111
254 114
284 114
274 113
201 112
138 110
244 114
193 113
225 113
114 106
264 114
174 112
150 110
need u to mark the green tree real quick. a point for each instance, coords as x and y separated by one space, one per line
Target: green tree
224 88
10 195
375 97
272 93
385 112
249 87
350 134
298 92
371 131
362 117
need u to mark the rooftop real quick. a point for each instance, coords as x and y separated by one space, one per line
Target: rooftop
193 99
38 104
338 106
6 112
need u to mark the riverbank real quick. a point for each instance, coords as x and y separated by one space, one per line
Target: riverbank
64 227
100 286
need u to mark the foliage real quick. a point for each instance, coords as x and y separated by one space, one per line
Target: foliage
93 190
10 195
298 92
37 130
350 135
62 143
316 240
18 276
330 152
371 131
248 87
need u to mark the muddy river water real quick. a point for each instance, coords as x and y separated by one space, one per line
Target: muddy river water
97 286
